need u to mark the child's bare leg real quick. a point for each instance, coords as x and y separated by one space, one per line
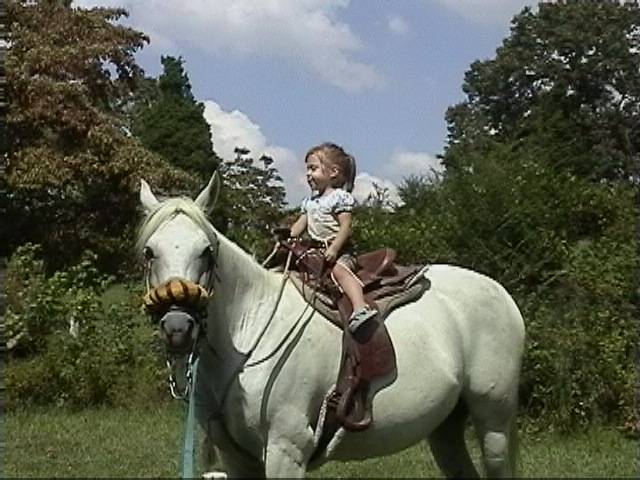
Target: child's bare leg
349 285
352 288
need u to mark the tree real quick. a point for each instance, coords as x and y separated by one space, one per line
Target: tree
568 73
554 115
172 123
379 197
541 189
251 203
72 171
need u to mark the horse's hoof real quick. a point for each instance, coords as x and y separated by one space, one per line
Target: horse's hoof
214 474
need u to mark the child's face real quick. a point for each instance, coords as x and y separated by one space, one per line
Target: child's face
319 175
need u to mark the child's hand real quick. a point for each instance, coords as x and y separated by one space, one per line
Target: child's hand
330 255
281 234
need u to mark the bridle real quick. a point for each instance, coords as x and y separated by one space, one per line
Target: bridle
193 299
180 295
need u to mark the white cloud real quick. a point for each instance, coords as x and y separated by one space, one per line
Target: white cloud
405 164
366 185
495 12
231 129
397 25
306 32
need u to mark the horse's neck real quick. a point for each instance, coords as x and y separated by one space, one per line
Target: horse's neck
243 294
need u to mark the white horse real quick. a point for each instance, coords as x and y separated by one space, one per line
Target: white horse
269 359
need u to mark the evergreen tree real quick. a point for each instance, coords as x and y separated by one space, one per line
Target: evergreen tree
172 122
168 120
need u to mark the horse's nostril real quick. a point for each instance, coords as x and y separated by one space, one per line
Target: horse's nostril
178 328
176 321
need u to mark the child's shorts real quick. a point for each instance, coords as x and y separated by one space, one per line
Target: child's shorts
349 262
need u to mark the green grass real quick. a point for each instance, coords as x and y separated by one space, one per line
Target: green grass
147 443
99 443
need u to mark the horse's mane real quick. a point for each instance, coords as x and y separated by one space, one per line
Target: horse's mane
166 210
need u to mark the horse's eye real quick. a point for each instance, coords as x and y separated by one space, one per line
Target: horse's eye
148 253
207 252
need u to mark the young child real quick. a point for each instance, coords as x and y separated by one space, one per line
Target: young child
326 217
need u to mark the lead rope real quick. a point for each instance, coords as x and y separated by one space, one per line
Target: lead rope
188 451
189 431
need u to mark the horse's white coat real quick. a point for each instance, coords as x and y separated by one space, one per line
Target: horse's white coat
259 397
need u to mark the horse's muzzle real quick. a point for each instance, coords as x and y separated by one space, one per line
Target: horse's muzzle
180 330
178 304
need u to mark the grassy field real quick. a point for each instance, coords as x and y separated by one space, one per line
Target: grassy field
147 443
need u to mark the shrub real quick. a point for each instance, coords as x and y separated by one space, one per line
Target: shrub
38 305
581 355
112 359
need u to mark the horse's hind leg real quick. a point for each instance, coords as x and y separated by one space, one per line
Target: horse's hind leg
496 430
449 448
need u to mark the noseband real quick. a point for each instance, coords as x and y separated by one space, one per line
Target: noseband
176 292
186 298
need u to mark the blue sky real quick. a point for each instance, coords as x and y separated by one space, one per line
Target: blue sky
278 76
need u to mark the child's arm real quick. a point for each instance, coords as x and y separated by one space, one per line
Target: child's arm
300 226
344 231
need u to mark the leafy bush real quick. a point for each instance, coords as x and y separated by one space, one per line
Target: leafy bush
581 357
110 361
38 305
578 367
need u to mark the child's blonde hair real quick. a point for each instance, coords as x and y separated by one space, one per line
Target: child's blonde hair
331 154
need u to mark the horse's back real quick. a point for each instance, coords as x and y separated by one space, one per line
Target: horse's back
486 307
469 301
463 339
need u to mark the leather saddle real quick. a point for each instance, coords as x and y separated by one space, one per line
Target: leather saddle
368 353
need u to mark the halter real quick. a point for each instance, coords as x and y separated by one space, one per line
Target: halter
194 298
188 296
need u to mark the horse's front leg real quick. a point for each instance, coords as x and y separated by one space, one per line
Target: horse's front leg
290 444
230 462
233 467
284 460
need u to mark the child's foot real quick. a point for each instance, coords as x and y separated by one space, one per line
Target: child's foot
360 317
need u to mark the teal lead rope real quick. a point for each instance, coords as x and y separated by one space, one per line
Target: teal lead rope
189 431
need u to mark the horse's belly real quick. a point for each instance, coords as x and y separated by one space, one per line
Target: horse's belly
397 425
404 412
422 393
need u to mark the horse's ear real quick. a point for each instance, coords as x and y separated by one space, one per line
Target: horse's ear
208 197
147 198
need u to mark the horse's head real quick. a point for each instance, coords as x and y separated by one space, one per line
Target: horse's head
178 247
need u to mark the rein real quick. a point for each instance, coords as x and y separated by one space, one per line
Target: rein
285 277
